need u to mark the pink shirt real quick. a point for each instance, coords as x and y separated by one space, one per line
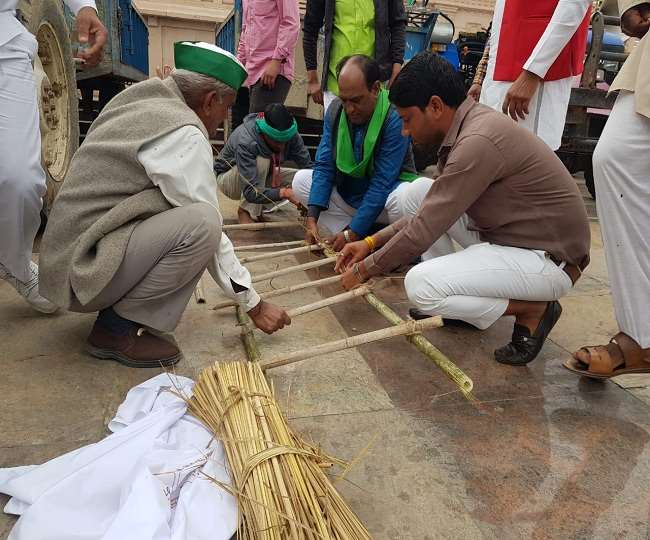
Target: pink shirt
270 30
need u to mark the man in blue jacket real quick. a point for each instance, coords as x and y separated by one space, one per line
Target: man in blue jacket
362 161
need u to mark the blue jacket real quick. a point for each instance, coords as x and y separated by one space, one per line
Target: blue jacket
393 155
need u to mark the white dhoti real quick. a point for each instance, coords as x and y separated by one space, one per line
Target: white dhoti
476 283
622 179
22 179
339 214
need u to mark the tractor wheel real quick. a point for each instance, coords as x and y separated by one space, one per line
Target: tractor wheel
56 89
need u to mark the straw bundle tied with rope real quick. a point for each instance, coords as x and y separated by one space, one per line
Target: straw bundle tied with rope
278 478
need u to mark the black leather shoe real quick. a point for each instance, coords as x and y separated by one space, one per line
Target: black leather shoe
418 315
524 348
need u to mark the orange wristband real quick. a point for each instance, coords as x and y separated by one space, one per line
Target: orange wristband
371 243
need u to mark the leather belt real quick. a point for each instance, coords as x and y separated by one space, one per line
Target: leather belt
572 270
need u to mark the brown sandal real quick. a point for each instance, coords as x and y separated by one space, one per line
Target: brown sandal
621 355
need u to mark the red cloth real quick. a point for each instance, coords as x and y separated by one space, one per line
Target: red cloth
524 22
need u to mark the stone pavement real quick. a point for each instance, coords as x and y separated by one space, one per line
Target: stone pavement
542 454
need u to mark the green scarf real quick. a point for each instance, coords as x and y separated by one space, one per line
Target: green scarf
345 160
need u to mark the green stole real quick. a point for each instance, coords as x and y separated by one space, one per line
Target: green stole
345 160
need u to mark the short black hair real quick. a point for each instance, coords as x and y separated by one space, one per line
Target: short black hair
427 75
278 116
368 66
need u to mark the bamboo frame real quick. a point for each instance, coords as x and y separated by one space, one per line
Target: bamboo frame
282 253
254 247
248 336
261 226
292 269
285 290
425 347
337 299
406 328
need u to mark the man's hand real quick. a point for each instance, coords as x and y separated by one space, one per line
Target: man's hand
287 193
312 236
519 95
271 72
353 278
268 317
352 253
92 32
396 69
475 92
338 242
314 88
635 22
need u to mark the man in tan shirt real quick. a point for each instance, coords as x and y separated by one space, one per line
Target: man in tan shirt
621 165
497 181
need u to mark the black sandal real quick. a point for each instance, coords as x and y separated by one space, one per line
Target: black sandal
523 347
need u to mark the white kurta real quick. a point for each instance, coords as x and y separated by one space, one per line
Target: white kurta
22 179
549 105
149 480
621 165
181 165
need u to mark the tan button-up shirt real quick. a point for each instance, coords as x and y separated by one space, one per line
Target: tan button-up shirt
635 73
512 186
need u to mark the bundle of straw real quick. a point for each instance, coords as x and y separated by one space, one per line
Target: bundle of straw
278 479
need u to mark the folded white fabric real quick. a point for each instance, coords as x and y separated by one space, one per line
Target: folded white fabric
149 480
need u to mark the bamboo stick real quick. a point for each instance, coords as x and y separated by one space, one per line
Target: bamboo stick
248 336
337 299
406 328
425 346
254 247
285 290
291 269
261 226
199 292
282 253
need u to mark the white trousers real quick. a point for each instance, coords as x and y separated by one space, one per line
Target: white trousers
476 284
339 214
22 179
622 178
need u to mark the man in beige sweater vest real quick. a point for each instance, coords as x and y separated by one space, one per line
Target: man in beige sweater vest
137 221
621 165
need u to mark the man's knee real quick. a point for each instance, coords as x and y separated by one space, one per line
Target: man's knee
204 222
421 291
410 198
301 185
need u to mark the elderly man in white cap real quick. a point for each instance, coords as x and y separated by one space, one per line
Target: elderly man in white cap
137 221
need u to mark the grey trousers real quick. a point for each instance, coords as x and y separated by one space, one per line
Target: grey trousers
261 96
165 258
231 184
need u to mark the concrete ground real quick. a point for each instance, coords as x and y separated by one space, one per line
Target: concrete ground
543 454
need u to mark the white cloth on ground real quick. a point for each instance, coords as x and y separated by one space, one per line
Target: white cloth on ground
339 214
180 163
548 107
621 165
476 283
149 480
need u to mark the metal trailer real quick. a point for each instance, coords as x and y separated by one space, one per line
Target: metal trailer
60 85
583 127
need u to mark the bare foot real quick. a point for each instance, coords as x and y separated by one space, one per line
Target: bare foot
244 217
